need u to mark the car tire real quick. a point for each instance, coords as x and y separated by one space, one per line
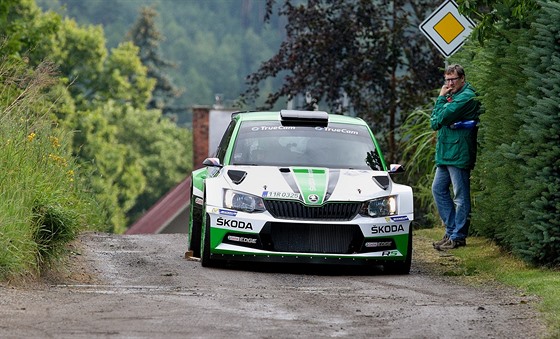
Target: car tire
401 267
205 260
196 226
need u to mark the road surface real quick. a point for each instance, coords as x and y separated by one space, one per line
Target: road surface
141 286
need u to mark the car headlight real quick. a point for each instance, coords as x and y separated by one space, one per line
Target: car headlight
381 207
243 202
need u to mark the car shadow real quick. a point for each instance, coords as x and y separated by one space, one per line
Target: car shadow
307 269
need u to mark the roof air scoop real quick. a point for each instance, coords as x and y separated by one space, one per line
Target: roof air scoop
382 181
305 118
236 176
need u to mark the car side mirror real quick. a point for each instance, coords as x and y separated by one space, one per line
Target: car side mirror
212 162
395 169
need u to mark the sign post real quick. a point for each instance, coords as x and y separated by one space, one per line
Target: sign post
446 28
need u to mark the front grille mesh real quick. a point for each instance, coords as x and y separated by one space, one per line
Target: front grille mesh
334 211
315 238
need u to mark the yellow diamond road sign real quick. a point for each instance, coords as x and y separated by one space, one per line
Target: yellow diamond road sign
446 28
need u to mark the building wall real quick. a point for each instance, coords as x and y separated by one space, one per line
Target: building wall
209 124
200 132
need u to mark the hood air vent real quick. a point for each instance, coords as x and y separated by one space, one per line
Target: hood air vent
236 176
382 181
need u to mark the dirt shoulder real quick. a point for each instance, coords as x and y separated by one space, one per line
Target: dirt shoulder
142 286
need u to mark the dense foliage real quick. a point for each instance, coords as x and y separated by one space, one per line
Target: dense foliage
370 52
214 44
496 16
517 71
132 154
538 146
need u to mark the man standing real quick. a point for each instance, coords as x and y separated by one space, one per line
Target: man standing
455 116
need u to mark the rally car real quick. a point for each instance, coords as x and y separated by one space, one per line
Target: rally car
300 187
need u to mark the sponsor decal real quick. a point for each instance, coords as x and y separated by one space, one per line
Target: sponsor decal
377 229
397 218
378 243
390 253
311 183
281 195
234 223
242 239
337 130
224 212
198 201
271 128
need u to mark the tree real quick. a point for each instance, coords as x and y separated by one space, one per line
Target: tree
214 44
496 16
370 51
23 25
125 78
162 149
147 37
101 96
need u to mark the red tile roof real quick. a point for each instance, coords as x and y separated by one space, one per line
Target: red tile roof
164 211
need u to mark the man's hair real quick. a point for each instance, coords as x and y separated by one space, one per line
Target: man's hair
455 68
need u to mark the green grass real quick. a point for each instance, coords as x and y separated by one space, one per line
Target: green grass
482 261
42 207
43 203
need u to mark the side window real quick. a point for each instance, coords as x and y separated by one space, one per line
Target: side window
222 148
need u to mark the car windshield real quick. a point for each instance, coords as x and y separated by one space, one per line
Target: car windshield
268 143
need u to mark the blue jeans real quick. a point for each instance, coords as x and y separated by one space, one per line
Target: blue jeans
455 212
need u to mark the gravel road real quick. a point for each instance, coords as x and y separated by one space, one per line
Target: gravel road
140 286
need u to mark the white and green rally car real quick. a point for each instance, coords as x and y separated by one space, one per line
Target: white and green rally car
300 187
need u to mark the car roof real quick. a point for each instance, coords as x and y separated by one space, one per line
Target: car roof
275 116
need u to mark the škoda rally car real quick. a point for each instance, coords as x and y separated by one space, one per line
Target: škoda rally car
300 187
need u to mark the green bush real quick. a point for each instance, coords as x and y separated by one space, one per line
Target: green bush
538 148
516 181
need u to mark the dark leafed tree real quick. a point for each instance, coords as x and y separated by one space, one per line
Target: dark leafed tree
371 52
147 37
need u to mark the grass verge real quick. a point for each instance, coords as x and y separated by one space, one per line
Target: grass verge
482 261
44 199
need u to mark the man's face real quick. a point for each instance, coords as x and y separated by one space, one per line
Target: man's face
454 82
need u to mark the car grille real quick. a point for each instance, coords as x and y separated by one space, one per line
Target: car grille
334 211
315 238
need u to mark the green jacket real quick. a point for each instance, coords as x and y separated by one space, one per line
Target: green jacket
456 147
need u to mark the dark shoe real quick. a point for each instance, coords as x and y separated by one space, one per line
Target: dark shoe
451 244
441 242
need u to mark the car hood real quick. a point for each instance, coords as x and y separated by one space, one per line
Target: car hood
311 185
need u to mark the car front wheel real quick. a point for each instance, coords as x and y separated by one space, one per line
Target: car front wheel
196 225
205 243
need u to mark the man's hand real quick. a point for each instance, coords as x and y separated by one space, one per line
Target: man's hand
445 90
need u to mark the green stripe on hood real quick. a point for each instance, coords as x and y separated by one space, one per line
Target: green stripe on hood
312 183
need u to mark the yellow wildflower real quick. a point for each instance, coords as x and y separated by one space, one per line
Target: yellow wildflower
70 175
55 142
58 159
31 136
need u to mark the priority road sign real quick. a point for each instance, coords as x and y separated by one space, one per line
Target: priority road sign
446 28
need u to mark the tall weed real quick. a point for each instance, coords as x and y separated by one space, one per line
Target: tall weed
43 203
419 157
